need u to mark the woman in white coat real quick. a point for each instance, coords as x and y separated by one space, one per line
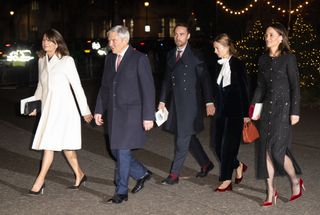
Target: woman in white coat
59 127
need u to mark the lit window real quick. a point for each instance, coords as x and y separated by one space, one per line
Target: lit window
161 34
34 5
131 27
172 24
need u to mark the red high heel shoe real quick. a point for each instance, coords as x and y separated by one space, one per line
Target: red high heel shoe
274 199
238 180
294 197
228 188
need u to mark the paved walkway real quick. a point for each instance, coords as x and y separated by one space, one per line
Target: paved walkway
19 166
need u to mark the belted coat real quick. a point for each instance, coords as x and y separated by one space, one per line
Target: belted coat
59 127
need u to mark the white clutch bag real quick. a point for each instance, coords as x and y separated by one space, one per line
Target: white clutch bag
257 110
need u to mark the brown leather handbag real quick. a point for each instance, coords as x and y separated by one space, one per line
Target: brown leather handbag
249 133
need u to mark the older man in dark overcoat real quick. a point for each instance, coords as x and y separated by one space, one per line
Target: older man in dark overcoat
186 87
126 102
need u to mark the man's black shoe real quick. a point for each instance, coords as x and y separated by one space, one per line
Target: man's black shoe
170 180
118 198
140 183
205 170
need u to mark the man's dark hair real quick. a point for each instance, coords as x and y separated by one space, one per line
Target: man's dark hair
182 24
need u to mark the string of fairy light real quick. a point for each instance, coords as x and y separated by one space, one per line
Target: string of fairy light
302 41
254 3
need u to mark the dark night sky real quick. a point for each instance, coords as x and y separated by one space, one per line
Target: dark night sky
213 19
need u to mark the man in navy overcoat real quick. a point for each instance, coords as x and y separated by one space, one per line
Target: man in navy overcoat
186 87
126 102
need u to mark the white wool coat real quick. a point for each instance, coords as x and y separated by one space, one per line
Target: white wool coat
59 127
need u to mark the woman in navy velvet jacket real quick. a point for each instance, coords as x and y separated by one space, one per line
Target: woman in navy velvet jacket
232 104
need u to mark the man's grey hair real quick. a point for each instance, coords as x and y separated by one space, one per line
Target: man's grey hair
122 31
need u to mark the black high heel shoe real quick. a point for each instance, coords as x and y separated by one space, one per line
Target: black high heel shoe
36 193
83 181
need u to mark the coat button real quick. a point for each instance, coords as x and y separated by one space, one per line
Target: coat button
114 95
185 89
184 73
184 80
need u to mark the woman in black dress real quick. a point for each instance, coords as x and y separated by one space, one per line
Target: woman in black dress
278 90
232 106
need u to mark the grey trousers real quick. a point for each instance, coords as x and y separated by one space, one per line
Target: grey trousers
183 145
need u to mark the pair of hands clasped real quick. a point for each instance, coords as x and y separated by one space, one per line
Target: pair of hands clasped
210 108
87 118
147 124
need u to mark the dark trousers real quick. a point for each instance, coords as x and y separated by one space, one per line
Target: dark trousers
183 145
126 165
227 140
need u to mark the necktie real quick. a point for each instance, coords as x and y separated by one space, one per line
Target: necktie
178 56
118 61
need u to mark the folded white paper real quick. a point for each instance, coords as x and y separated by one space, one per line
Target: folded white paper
24 101
161 116
257 110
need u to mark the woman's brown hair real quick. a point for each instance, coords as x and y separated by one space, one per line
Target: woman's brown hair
284 46
225 40
55 37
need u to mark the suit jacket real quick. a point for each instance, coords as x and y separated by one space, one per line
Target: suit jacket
185 90
127 97
232 100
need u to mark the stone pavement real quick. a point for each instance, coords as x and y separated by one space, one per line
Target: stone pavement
19 166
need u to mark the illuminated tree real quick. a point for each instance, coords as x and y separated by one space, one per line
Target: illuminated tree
305 45
251 47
